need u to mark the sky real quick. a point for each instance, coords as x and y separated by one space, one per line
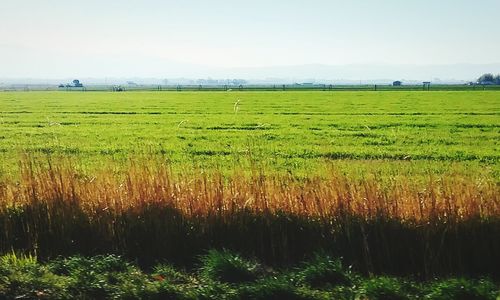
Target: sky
155 38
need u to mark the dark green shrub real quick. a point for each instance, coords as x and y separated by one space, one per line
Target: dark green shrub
215 291
101 277
271 290
21 277
323 272
342 293
110 277
152 291
168 273
384 288
225 266
462 289
100 263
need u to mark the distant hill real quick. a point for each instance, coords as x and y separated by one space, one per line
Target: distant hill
369 72
348 74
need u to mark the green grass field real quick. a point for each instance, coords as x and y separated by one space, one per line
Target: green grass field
408 132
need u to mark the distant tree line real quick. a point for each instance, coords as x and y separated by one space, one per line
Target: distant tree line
489 78
221 81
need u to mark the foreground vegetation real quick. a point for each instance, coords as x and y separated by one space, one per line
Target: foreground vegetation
218 275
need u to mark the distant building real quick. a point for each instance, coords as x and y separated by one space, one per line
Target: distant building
397 83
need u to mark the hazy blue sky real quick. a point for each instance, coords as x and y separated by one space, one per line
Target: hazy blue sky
56 38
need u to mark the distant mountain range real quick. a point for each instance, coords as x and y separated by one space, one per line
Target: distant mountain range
373 72
318 73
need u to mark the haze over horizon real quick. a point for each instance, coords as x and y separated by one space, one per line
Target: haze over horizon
221 39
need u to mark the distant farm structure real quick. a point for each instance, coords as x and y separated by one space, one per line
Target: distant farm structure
426 85
397 83
74 84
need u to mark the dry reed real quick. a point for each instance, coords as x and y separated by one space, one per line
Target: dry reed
445 226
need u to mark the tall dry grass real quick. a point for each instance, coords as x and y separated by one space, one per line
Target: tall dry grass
444 226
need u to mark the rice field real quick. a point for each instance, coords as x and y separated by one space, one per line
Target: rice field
399 182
